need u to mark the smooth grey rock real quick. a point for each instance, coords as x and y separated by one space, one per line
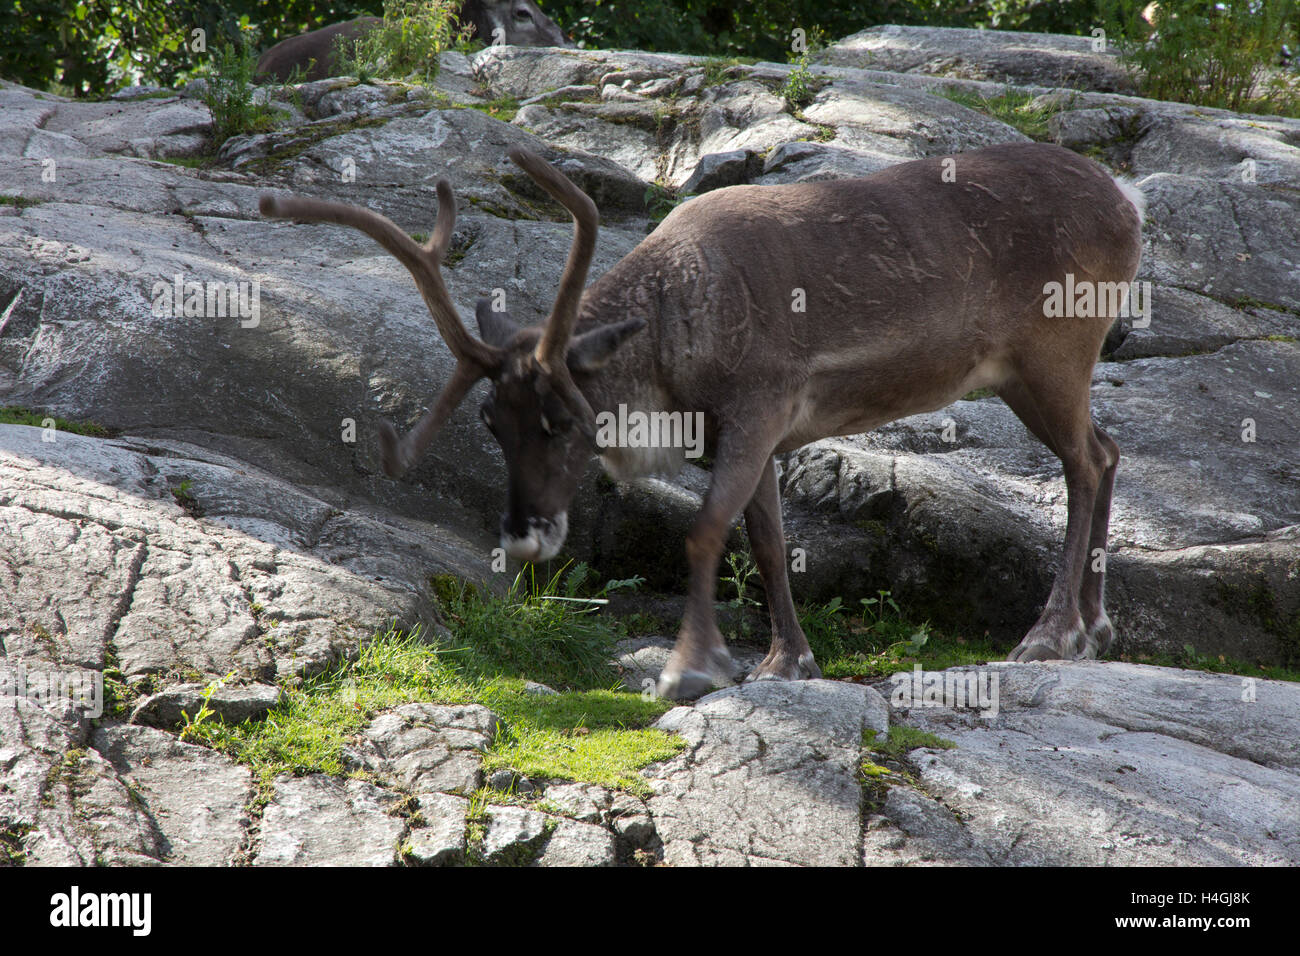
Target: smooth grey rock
34 745
91 816
145 128
197 798
522 72
1093 763
583 802
877 119
270 580
135 92
1004 56
1226 240
1183 323
717 170
319 821
804 162
441 841
770 774
514 834
428 747
232 703
578 844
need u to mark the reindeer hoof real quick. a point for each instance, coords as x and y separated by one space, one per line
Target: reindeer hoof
785 667
686 685
684 682
1097 641
1024 653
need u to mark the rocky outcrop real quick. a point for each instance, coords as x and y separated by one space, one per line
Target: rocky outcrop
236 522
1096 765
1207 499
1001 56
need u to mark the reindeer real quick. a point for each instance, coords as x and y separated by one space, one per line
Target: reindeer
519 22
920 283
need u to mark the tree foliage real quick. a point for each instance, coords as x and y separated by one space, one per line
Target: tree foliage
91 47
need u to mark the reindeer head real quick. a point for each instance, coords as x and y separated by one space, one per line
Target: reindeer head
535 409
519 22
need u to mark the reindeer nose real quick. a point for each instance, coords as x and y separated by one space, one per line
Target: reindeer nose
534 538
516 540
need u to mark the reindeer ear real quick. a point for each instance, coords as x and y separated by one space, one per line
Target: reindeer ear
591 350
494 328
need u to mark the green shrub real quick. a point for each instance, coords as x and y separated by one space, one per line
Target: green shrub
408 42
1220 53
798 89
229 95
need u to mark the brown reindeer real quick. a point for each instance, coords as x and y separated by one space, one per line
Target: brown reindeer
314 54
919 284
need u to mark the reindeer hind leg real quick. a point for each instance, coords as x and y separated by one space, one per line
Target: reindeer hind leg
1058 414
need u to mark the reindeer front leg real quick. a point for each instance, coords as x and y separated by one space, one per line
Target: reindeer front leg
700 660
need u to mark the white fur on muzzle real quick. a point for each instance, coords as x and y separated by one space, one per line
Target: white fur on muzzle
543 540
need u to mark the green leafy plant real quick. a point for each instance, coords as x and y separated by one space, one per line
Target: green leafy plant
1220 53
406 44
193 727
877 640
228 95
659 201
743 571
799 87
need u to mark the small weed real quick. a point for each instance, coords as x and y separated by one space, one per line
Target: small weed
193 728
184 495
503 108
881 639
800 87
189 162
660 200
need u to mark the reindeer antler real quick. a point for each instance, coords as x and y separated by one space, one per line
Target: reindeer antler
474 358
554 342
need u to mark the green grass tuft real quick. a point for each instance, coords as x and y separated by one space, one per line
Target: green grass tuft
901 739
589 733
14 415
1011 107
